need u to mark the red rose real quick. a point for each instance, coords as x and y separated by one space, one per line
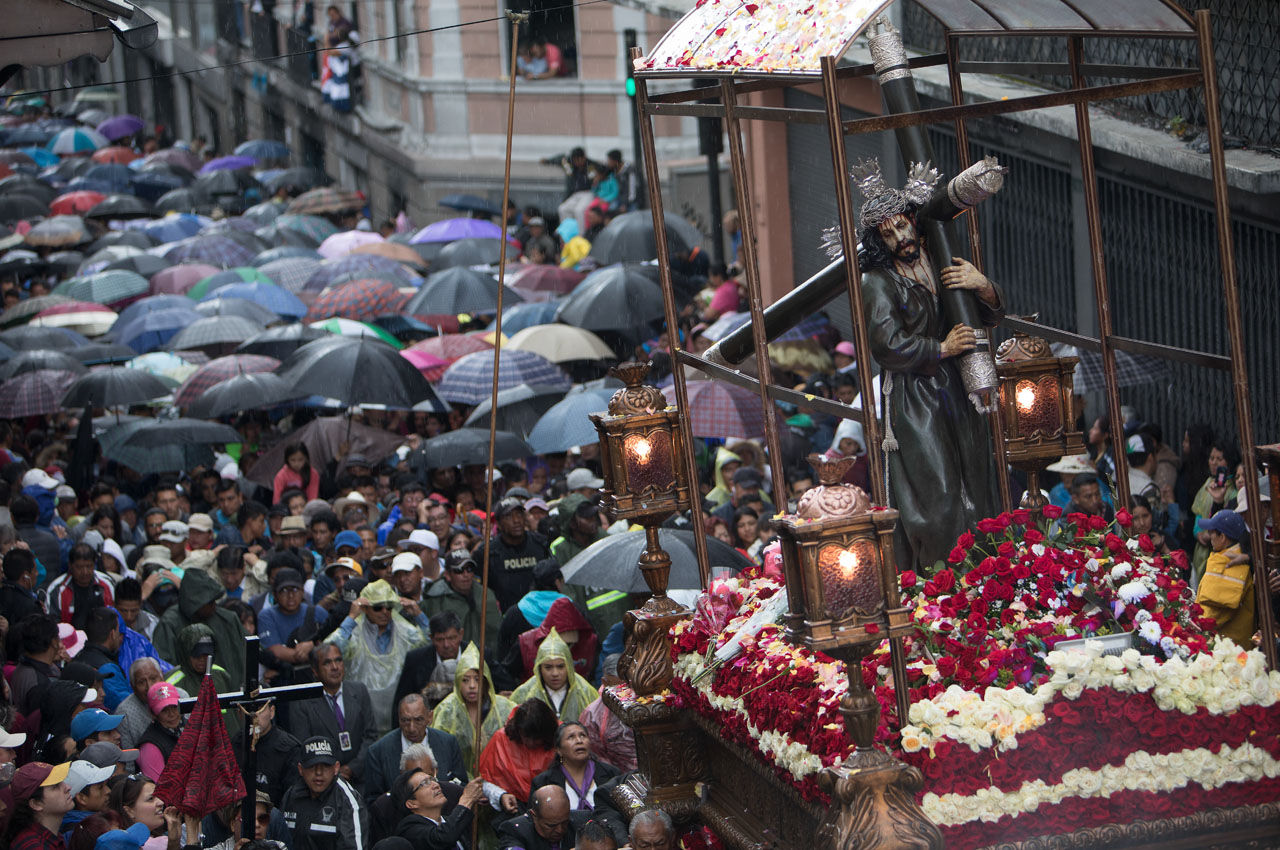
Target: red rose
1033 536
1124 518
945 581
1006 549
1114 543
966 540
957 555
1021 516
908 579
1145 544
990 526
1097 523
1021 572
1051 511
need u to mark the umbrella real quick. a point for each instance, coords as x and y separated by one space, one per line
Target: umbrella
123 238
151 186
453 229
544 278
1132 370
722 410
220 279
175 226
121 207
262 149
452 347
726 324
151 304
42 359
469 203
175 156
429 365
116 154
214 331
75 202
121 126
343 243
109 287
148 460
163 365
470 252
34 393
263 214
290 273
243 392
280 342
91 184
358 371
82 317
286 252
26 135
98 353
37 339
99 260
629 238
147 265
359 299
311 226
296 179
610 563
25 184
561 343
74 140
323 438
470 379
41 157
227 163
566 425
519 408
456 291
181 431
152 330
326 200
114 388
58 232
188 199
24 311
218 370
467 446
359 267
178 280
225 182
405 326
119 177
216 250
356 330
200 775
20 208
267 295
14 157
614 298
219 305
392 251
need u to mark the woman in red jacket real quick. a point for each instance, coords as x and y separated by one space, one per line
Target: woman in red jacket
296 474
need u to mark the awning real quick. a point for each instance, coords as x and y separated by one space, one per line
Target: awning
52 32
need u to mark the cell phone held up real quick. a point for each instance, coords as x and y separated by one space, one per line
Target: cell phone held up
1220 477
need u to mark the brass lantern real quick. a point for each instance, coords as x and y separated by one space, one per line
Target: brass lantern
641 452
1036 399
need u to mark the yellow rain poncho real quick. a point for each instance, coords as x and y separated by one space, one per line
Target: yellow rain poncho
451 714
375 658
579 693
723 489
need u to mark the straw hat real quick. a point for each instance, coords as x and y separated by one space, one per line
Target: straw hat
1073 465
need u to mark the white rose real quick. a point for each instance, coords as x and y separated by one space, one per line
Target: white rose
1073 689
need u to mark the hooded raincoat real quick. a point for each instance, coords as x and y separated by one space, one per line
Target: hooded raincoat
186 677
723 490
451 714
196 591
564 616
578 695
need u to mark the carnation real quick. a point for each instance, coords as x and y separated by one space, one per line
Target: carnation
1133 592
1151 632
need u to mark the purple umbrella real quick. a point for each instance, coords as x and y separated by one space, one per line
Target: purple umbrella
228 163
121 126
453 229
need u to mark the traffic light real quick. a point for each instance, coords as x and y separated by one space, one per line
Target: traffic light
628 45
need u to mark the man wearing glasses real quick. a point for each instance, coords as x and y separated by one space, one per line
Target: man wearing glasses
382 764
457 590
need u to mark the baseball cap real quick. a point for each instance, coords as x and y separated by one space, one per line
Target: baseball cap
582 477
65 493
546 571
12 740
350 563
318 750
81 673
160 696
37 774
382 553
124 839
173 531
1228 523
39 478
846 348
347 538
125 502
587 509
747 475
537 221
405 562
354 459
83 773
421 537
1137 444
287 577
72 638
93 721
537 504
107 754
199 522
293 525
506 506
519 493
456 560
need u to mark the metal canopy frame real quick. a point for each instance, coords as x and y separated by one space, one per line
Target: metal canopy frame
723 101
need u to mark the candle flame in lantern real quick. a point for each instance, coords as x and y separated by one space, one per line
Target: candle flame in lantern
642 449
848 563
1026 398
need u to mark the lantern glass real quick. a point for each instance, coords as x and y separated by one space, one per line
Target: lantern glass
1036 405
650 462
850 576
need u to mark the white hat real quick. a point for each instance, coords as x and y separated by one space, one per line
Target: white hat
12 740
583 477
200 522
405 562
420 537
1073 465
64 492
174 531
73 639
83 773
39 478
112 548
1264 491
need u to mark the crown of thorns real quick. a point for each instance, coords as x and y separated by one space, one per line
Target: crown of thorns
881 201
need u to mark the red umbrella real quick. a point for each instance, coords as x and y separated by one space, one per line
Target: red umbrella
362 300
176 280
200 776
218 370
74 203
116 153
544 278
445 324
431 366
451 346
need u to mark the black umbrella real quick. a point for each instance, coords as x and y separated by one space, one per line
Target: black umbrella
30 361
23 266
297 179
169 168
614 298
470 203
249 391
458 290
130 238
65 263
610 563
96 353
629 238
519 408
114 388
470 252
151 458
225 182
144 264
21 207
282 341
25 184
188 432
67 170
358 370
121 207
467 446
190 199
28 338
241 307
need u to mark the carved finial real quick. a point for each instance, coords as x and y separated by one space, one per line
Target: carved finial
636 396
832 498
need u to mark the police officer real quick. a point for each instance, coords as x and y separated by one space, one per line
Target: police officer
321 810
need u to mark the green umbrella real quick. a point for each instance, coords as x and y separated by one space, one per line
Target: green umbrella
350 327
105 287
239 274
313 226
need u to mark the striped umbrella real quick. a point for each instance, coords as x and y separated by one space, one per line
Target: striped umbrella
291 273
107 287
35 393
217 280
359 330
214 332
25 311
717 409
469 380
88 319
163 364
360 267
152 330
311 226
61 231
362 300
219 370
326 200
76 202
220 251
75 140
452 347
266 294
178 280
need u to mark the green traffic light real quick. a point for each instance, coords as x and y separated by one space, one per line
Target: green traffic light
631 87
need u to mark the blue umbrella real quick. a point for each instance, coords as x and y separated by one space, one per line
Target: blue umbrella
360 267
43 158
469 203
566 424
277 300
286 252
88 184
154 330
263 149
468 381
77 140
520 316
150 304
119 177
152 185
176 226
404 325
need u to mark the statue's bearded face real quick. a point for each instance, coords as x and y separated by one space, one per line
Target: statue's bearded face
899 235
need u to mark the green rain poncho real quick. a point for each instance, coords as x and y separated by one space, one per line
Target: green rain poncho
186 677
451 714
723 489
579 693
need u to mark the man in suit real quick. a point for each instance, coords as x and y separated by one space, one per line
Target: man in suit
549 825
382 764
343 714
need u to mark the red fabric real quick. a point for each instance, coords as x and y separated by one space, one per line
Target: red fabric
725 299
201 775
512 766
563 616
287 479
67 595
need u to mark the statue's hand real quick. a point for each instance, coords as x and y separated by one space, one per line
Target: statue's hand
963 275
961 339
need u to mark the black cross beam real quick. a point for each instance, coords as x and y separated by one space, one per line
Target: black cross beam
250 698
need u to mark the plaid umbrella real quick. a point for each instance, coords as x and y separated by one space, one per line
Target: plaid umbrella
34 393
217 280
362 300
311 226
58 232
120 126
31 361
218 370
1132 370
722 410
326 200
470 379
351 328
286 252
74 140
452 347
218 250
215 331
175 156
341 244
163 364
117 154
175 226
152 330
37 339
265 294
107 287
290 273
178 280
359 267
76 202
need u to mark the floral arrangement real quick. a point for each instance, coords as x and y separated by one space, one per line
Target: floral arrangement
1015 738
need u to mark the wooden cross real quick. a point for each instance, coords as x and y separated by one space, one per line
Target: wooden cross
251 699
